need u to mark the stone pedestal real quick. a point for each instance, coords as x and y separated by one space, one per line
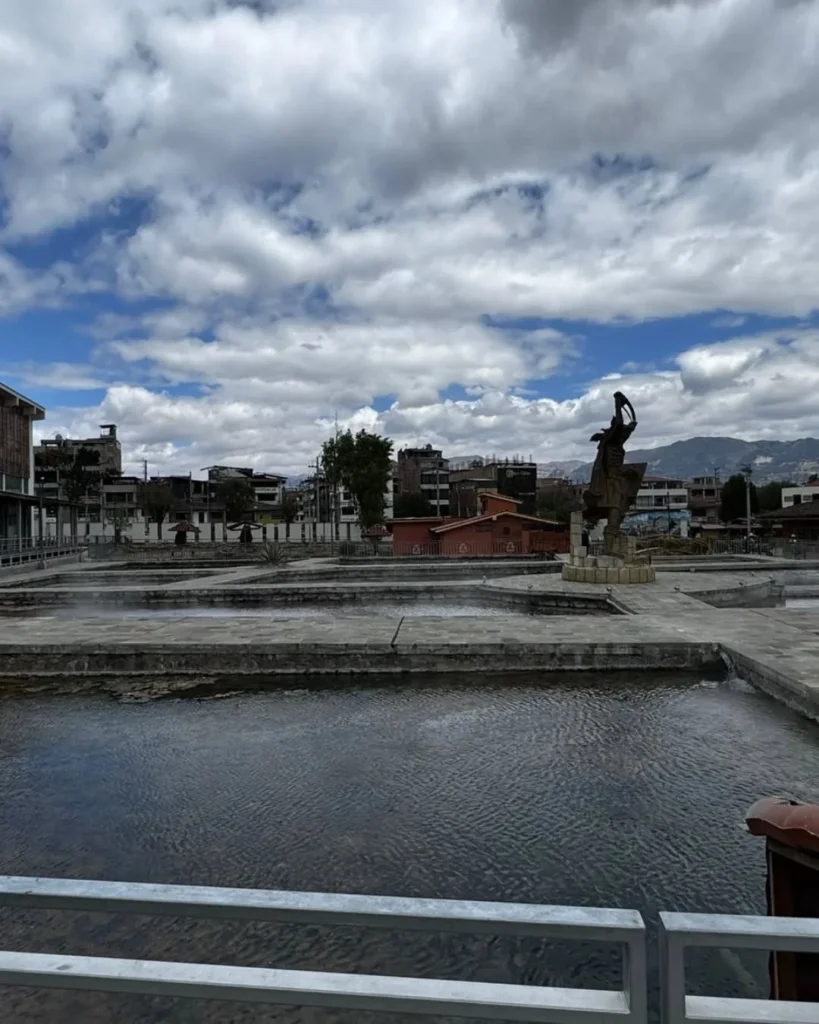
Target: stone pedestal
611 569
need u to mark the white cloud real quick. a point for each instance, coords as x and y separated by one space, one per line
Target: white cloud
335 194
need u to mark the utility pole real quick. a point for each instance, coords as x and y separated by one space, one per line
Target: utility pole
747 471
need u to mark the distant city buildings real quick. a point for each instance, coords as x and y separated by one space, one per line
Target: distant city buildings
451 487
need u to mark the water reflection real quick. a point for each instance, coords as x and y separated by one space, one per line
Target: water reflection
578 790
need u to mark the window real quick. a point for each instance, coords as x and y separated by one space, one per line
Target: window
201 517
797 499
507 530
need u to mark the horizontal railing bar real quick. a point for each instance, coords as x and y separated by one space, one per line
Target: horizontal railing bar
593 924
752 1011
797 934
310 988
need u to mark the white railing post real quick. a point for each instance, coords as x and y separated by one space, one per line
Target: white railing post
672 976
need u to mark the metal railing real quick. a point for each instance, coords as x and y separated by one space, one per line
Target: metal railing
422 996
679 932
17 550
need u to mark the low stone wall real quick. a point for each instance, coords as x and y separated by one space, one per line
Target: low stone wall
244 596
59 666
765 594
781 685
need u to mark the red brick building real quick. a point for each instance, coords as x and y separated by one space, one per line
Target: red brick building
498 529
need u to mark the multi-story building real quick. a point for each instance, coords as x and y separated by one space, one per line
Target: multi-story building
268 487
800 495
515 478
320 503
17 498
425 471
661 494
704 498
106 446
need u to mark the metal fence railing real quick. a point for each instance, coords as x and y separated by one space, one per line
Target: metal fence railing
679 932
422 996
18 550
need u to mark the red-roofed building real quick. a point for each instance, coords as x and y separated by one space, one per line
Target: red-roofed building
498 529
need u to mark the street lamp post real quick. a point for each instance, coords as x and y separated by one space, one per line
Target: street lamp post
747 471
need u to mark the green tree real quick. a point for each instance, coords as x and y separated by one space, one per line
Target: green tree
361 464
557 503
412 505
769 495
77 477
290 508
732 505
156 499
238 496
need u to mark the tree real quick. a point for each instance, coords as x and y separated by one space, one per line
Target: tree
238 496
733 499
412 505
360 464
557 503
156 499
74 477
769 495
289 509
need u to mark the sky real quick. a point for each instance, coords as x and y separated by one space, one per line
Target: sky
225 225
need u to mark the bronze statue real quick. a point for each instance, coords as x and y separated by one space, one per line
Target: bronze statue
614 484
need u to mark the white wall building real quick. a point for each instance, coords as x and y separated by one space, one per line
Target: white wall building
661 494
800 495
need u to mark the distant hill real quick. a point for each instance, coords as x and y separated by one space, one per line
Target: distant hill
700 456
564 469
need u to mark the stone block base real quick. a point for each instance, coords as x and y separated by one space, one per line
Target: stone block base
611 575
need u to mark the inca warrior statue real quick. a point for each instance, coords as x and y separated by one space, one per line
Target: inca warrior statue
614 484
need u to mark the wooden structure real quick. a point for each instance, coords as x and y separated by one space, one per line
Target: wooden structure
791 831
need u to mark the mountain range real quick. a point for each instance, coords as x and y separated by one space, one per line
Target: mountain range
702 456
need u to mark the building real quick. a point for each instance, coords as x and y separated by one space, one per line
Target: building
800 495
268 489
516 478
119 502
704 498
425 471
798 521
106 446
661 494
498 529
17 498
318 502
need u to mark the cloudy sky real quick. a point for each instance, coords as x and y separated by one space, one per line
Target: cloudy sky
468 222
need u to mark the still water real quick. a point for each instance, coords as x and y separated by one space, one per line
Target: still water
625 791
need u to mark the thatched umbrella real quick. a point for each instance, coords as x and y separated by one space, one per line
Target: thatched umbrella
246 527
182 529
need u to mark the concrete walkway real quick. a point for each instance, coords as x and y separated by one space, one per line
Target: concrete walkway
669 624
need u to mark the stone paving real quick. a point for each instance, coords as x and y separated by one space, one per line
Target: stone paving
666 624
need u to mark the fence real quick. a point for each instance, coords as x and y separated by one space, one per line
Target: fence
679 932
425 997
18 550
209 533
